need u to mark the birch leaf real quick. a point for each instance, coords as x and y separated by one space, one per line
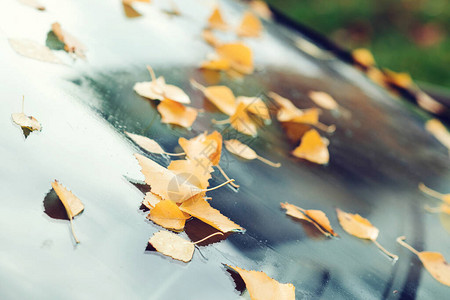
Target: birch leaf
244 151
172 245
313 148
216 21
176 113
203 146
167 214
34 50
71 44
250 26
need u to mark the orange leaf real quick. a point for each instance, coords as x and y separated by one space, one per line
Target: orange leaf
402 80
434 262
360 227
198 207
312 148
262 287
210 38
256 106
364 57
316 217
242 122
33 50
439 131
221 96
323 99
244 151
250 26
71 203
239 55
176 113
150 200
215 20
219 64
71 44
203 146
172 245
167 214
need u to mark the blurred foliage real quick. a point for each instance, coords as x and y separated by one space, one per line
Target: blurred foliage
403 35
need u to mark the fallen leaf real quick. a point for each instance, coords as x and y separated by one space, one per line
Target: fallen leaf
203 146
323 99
250 26
218 64
199 208
402 80
33 3
129 11
149 144
360 227
71 203
444 207
216 21
221 96
176 113
313 148
316 217
182 180
261 287
167 214
172 245
157 89
256 106
239 55
71 44
434 262
34 50
242 122
244 151
261 9
26 122
364 57
210 38
439 131
150 200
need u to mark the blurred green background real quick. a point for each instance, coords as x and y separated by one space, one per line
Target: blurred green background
404 35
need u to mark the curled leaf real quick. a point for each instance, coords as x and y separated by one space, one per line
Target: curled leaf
313 148
261 287
26 122
244 151
315 217
34 50
172 245
167 214
250 26
439 131
71 44
434 262
176 113
71 203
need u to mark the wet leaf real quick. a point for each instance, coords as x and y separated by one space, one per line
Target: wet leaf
239 55
313 148
323 99
242 122
434 262
176 113
33 3
316 217
72 45
360 227
262 287
221 96
439 131
157 89
172 245
244 151
167 214
71 203
364 57
203 146
216 21
182 180
34 50
198 207
250 26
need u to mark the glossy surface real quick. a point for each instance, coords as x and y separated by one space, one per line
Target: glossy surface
377 158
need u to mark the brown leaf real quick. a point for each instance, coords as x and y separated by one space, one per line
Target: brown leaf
262 287
313 148
244 151
316 217
34 50
172 245
434 262
176 113
167 214
71 44
250 26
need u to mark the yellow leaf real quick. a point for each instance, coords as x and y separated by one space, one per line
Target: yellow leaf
242 122
256 106
439 131
198 207
250 26
402 80
313 148
176 113
261 9
33 50
434 262
71 44
244 151
364 57
203 146
167 214
150 200
172 245
239 55
221 96
262 287
71 203
210 38
219 64
215 20
316 217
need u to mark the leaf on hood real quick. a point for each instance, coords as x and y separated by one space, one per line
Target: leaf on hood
444 207
71 44
71 203
26 122
316 217
324 100
261 9
182 180
33 3
172 245
402 80
34 50
150 200
244 151
360 227
313 148
198 207
239 55
216 64
434 262
288 112
439 131
241 121
256 106
364 57
149 144
176 113
250 26
167 214
261 287
221 96
216 21
203 146
157 89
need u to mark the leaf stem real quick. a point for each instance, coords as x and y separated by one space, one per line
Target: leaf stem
152 73
174 154
431 192
204 239
197 85
23 103
391 255
73 232
221 122
218 186
401 241
326 128
433 210
266 161
226 177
